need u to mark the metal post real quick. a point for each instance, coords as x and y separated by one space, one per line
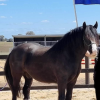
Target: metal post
86 67
75 13
45 40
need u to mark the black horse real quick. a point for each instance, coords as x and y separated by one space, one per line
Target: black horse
59 64
96 75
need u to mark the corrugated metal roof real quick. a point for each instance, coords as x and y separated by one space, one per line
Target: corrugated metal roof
31 36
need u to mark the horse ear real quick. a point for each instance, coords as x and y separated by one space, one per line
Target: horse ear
96 25
84 25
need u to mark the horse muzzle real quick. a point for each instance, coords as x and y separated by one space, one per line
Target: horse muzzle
92 55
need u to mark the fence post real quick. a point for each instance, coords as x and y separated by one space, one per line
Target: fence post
45 43
86 67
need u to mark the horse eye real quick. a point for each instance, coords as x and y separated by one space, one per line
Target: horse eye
88 36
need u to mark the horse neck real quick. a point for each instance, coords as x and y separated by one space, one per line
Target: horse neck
70 46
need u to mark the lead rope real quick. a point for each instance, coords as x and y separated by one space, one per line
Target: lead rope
5 84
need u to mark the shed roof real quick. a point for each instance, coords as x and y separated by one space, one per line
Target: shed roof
31 36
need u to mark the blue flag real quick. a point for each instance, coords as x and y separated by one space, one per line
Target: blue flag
87 2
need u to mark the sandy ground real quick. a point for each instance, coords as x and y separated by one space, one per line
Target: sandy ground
78 94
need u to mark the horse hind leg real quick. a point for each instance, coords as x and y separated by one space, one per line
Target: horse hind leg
27 86
16 86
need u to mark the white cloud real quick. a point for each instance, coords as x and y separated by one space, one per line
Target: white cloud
2 17
3 4
74 21
27 23
23 23
2 0
40 13
11 17
44 21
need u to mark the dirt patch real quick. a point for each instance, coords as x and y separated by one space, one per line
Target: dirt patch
78 94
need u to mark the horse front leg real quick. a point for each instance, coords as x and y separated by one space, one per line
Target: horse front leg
61 90
69 89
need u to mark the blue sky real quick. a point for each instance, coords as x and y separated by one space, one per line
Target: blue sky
44 16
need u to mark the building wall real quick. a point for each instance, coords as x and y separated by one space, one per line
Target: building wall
46 41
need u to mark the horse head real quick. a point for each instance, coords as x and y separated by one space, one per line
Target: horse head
91 39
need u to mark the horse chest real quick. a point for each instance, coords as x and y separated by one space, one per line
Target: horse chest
74 74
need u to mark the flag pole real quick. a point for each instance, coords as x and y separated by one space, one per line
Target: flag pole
75 13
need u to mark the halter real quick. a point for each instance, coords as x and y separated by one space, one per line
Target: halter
86 43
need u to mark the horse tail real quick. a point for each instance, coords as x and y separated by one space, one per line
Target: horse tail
8 76
7 72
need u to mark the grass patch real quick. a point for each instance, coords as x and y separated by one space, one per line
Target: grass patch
5 47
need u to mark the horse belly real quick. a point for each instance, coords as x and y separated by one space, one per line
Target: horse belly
41 75
45 78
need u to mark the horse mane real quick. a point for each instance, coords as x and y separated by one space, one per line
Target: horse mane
69 41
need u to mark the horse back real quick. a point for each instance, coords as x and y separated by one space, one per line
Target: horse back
24 52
